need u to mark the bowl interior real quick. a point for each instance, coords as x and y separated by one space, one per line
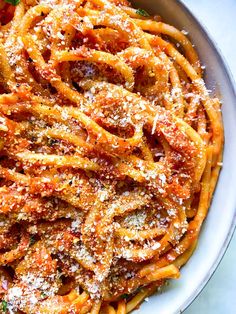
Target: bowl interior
218 227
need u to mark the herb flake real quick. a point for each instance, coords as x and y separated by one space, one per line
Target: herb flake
4 306
13 2
32 240
43 295
142 12
124 296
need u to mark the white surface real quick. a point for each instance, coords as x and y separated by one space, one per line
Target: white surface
219 17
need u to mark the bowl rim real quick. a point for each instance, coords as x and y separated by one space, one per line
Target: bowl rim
229 79
228 74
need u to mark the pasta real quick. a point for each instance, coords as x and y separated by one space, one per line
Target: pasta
110 150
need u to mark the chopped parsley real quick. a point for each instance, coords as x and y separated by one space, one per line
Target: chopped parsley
13 2
43 295
32 240
52 141
4 306
125 296
142 12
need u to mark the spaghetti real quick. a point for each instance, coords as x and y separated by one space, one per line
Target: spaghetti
110 150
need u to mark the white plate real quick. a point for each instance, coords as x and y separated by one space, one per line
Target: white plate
219 225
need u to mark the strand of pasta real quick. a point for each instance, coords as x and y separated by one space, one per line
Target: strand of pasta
50 130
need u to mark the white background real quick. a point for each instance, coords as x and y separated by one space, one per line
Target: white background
219 18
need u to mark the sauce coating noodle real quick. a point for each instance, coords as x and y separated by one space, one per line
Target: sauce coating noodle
110 150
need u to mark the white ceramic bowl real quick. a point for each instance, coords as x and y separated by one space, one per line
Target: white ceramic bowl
219 225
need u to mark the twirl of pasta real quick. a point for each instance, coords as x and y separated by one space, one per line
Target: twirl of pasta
110 150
